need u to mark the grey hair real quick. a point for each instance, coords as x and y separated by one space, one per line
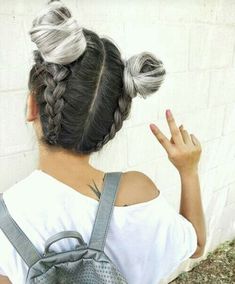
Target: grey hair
143 74
83 87
57 34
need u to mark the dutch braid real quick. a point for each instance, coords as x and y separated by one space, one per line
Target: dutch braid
143 74
55 79
120 114
56 85
61 41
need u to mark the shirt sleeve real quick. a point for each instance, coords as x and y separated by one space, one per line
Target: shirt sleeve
182 237
178 240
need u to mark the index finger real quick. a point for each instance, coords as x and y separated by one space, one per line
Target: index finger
161 138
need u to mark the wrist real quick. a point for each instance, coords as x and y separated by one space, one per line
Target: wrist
188 172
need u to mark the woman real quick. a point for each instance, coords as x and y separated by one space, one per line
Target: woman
80 93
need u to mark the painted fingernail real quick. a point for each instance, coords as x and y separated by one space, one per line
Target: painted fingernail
153 127
168 113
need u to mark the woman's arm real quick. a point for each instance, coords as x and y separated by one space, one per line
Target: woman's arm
184 152
191 207
4 280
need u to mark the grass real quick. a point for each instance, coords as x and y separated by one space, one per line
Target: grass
217 268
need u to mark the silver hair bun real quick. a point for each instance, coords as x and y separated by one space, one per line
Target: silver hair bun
143 74
57 34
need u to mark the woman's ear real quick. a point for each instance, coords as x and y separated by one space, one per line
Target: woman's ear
32 108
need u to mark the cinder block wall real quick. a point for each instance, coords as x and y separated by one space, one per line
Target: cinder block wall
195 40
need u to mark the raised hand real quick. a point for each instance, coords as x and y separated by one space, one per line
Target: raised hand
183 150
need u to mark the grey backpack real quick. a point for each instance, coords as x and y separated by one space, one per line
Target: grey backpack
85 264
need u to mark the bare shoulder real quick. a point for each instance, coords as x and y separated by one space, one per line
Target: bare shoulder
136 187
4 280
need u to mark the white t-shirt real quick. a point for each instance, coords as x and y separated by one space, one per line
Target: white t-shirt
147 241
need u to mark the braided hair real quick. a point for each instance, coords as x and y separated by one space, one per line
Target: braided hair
82 86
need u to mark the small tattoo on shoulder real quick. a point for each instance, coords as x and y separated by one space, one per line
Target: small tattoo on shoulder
95 189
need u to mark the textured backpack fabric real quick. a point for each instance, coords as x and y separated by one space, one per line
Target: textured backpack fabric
85 264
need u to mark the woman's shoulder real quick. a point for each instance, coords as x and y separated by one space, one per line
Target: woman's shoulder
136 187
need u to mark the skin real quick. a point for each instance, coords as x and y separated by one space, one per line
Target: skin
76 171
4 280
64 165
183 151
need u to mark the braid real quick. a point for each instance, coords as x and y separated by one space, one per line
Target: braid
120 114
54 77
84 111
53 95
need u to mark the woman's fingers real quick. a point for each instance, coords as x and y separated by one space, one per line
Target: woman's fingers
195 141
185 135
180 136
172 141
163 140
175 132
189 139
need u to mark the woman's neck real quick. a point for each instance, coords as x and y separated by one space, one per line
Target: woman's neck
64 164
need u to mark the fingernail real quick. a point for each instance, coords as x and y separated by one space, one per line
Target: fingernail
153 127
168 113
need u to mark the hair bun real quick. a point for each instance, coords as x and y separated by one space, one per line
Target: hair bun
143 74
57 34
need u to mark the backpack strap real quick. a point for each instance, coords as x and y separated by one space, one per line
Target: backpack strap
105 210
16 236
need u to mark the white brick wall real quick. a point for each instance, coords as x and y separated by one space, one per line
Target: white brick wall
196 41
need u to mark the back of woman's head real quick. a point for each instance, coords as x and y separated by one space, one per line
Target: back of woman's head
82 86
